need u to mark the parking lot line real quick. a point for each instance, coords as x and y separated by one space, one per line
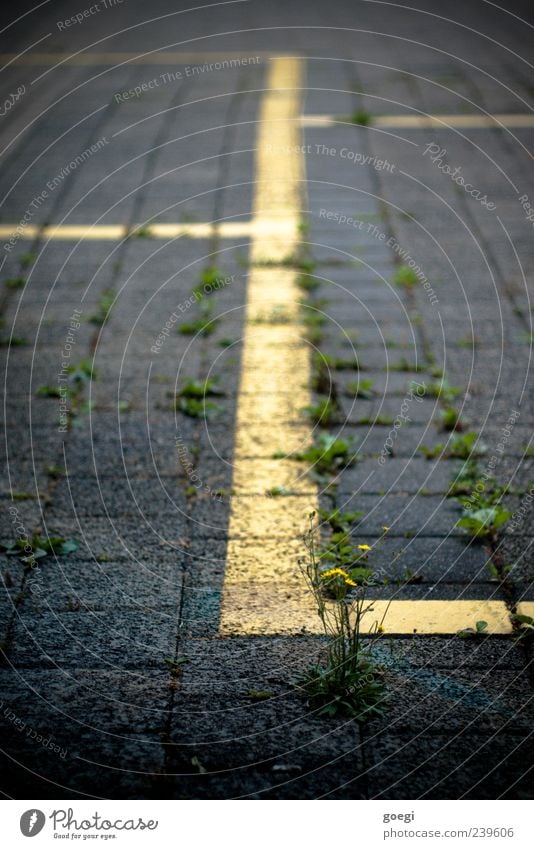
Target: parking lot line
275 359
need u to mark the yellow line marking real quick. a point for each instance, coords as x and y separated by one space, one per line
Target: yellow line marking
263 229
526 608
262 583
423 122
8 230
160 57
403 617
112 231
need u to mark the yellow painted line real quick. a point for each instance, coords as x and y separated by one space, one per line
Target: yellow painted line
424 122
160 57
65 232
97 232
8 230
401 617
526 608
262 583
262 229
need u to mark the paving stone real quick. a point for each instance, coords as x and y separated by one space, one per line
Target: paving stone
113 639
463 765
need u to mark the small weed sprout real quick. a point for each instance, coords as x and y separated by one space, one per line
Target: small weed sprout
143 231
30 549
326 361
450 419
327 456
480 630
404 364
462 447
324 413
361 388
349 682
192 401
15 283
485 522
104 306
405 276
28 259
361 117
307 282
441 390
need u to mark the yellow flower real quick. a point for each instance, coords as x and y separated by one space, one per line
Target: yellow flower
364 547
385 528
333 572
350 582
380 629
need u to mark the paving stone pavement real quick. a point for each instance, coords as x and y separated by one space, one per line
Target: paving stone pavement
118 679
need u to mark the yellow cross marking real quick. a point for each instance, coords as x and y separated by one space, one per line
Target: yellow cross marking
264 592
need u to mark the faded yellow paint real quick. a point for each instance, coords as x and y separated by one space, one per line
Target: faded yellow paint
263 229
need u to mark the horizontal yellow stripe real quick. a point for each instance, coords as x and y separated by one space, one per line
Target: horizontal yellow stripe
265 608
423 122
160 57
282 227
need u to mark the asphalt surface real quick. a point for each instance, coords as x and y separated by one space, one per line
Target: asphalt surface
125 672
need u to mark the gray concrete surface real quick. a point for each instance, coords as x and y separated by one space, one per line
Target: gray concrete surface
89 656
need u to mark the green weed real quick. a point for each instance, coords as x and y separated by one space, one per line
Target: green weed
30 549
322 360
104 306
49 391
405 276
461 447
485 522
382 420
191 399
340 521
324 413
141 232
361 389
308 283
348 682
404 365
279 492
278 314
328 455
14 342
203 326
441 390
27 259
480 629
15 283
450 419
361 117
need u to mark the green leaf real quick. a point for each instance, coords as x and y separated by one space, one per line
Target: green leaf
68 546
260 695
